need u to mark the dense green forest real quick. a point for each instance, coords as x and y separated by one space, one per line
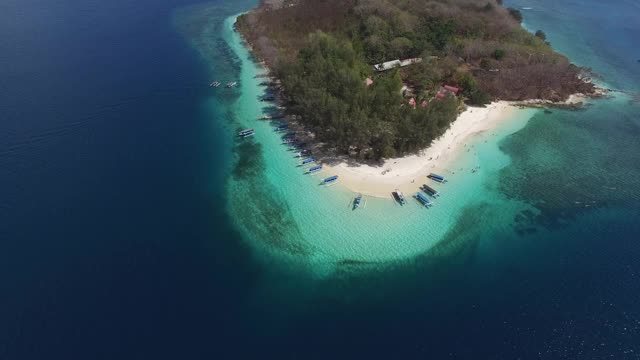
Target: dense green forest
325 86
323 50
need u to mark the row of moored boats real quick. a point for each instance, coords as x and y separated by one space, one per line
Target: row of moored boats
246 133
423 195
230 84
312 167
290 139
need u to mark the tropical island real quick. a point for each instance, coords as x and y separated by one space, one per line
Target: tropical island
386 91
382 78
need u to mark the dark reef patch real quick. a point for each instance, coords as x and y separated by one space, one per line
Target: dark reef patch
524 222
266 216
250 162
565 164
254 203
461 240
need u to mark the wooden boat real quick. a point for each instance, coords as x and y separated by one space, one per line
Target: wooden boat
330 180
436 177
399 197
429 190
314 169
303 153
246 132
423 199
271 117
356 201
308 161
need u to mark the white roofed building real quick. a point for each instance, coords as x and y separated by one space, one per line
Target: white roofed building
388 65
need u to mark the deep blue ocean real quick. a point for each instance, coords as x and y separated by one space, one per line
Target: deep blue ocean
115 244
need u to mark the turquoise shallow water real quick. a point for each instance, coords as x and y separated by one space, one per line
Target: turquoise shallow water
316 225
286 215
603 36
133 224
537 248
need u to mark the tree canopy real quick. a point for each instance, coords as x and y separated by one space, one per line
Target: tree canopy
325 87
324 49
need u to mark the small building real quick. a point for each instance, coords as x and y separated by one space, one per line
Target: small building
447 90
368 81
412 102
452 89
424 104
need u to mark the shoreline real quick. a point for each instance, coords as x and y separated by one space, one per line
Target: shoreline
408 173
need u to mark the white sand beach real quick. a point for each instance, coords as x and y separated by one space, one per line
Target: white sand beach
408 173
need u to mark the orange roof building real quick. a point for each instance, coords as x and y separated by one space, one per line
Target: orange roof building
454 90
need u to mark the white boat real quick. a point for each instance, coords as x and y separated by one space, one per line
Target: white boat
246 132
399 197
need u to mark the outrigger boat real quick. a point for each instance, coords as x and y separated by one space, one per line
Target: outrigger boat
214 84
281 128
357 201
314 169
232 84
429 190
308 161
436 177
271 117
302 153
399 197
424 200
330 180
246 132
